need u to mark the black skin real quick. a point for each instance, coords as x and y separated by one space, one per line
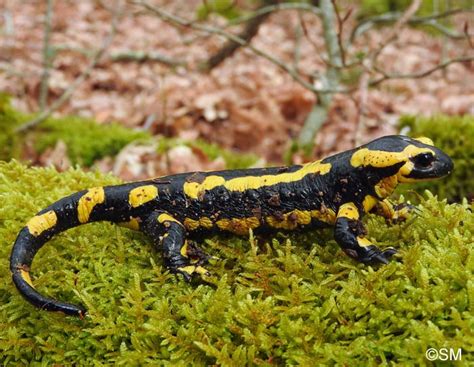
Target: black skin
343 184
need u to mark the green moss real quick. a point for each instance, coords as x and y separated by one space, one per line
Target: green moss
455 136
286 300
9 120
85 139
232 160
376 7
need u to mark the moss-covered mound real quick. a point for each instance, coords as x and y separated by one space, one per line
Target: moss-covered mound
233 160
86 140
294 300
455 136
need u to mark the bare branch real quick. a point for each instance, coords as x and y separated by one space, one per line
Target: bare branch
340 25
330 80
274 8
250 31
395 30
78 81
431 20
142 56
47 55
441 66
178 21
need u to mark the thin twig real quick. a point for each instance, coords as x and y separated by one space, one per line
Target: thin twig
310 40
178 21
250 31
142 56
47 55
79 80
274 8
395 30
368 23
340 25
441 66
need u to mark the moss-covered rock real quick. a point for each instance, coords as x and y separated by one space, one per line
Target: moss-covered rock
455 136
86 140
286 300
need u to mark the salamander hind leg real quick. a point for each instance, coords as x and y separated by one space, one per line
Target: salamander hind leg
179 256
350 235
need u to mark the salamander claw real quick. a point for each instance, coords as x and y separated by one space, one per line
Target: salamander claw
374 255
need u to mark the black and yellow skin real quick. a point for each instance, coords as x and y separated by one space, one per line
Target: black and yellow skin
335 191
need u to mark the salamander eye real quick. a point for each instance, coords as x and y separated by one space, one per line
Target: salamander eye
423 159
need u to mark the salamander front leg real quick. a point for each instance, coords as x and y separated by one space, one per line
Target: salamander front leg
350 235
177 254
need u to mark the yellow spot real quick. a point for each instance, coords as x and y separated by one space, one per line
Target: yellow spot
142 194
290 220
386 186
88 201
369 202
133 223
191 269
380 158
166 218
364 242
184 249
26 277
238 225
40 223
206 222
424 140
327 215
348 210
195 189
193 224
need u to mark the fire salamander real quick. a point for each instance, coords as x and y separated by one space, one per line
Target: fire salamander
335 191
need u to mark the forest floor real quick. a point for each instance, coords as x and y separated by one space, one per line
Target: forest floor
247 103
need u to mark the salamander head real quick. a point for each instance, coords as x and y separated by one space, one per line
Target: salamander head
416 159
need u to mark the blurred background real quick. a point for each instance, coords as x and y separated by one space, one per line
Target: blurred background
148 88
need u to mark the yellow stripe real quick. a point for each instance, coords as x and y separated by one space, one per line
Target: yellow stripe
195 189
424 140
238 225
133 223
142 194
26 277
380 158
348 210
369 202
363 242
290 220
193 224
184 249
40 223
166 218
325 215
88 201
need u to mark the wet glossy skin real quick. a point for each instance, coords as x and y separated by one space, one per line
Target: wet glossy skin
335 191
